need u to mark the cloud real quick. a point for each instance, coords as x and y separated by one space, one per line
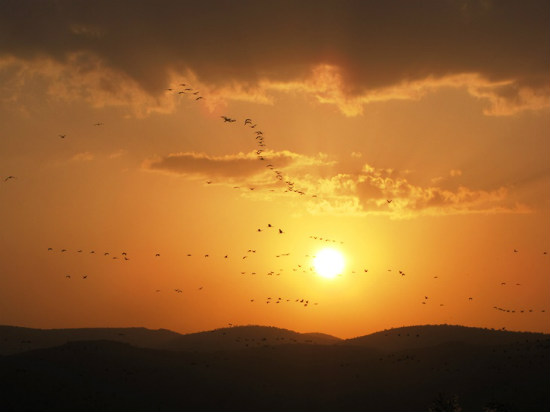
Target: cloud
344 53
368 192
240 167
322 189
83 157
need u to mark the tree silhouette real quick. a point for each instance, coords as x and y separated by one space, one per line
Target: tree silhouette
443 403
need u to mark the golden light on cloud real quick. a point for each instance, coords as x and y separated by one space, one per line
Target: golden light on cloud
329 263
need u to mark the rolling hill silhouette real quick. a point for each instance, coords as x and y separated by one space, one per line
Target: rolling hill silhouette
14 339
501 370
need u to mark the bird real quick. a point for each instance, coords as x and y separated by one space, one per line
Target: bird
98 124
62 136
280 231
9 177
50 248
389 201
247 121
157 254
227 119
63 250
84 276
200 97
68 276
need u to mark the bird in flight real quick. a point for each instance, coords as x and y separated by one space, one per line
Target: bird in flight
98 124
280 231
227 119
9 177
62 136
247 121
389 200
200 97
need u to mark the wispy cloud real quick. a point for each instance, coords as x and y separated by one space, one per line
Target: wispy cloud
389 192
83 157
328 191
239 167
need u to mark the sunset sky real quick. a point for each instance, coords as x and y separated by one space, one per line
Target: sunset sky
442 107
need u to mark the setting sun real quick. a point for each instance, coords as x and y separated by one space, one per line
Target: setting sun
329 263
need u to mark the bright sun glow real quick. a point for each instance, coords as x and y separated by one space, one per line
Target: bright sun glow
328 263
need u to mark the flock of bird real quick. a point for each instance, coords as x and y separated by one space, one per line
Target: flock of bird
261 145
259 138
261 149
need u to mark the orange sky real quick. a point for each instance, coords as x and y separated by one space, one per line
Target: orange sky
442 107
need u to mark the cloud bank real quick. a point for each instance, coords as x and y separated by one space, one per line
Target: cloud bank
347 53
324 190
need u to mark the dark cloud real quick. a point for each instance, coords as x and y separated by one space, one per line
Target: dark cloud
230 167
374 44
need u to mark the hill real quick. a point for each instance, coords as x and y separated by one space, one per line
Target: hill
112 376
15 339
432 335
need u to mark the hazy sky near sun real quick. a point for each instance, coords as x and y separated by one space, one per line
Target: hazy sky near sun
442 107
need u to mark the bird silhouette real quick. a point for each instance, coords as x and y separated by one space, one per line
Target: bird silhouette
62 136
227 119
389 201
9 177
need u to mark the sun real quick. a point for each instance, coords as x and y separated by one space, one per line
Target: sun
329 263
